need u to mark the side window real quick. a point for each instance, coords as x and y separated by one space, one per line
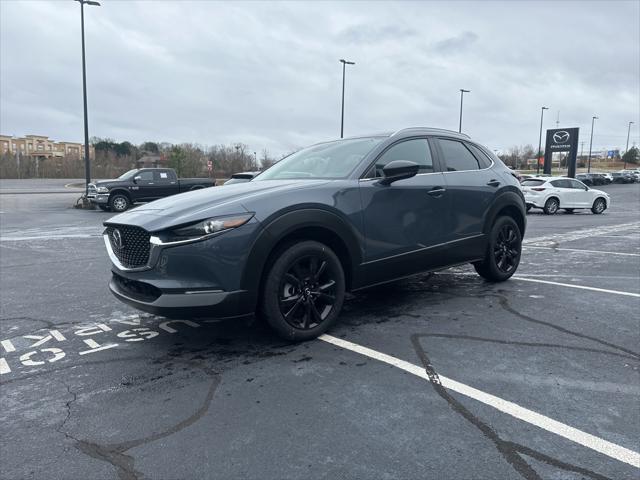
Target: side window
416 150
457 157
561 183
482 157
161 176
146 176
577 185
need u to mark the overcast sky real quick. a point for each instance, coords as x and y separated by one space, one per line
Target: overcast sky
267 73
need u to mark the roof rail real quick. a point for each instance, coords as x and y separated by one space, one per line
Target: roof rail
444 130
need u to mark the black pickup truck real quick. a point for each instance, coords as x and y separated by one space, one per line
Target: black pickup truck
141 185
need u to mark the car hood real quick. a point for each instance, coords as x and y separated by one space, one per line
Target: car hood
205 203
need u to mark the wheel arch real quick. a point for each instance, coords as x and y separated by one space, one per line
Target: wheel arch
510 204
305 224
120 191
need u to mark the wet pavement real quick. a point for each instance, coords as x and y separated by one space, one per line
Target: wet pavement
90 388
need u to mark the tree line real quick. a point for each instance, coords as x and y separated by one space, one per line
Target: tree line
112 158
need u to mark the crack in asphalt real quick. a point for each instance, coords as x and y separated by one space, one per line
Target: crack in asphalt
512 452
115 453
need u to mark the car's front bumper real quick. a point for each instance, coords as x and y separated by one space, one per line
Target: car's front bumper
179 302
99 198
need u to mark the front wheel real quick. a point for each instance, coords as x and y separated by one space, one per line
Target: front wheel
551 206
599 206
503 252
303 291
119 202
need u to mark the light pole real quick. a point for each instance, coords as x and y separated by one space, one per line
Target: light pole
462 92
540 140
344 64
627 147
593 119
87 167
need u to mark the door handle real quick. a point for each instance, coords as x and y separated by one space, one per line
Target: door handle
493 183
436 191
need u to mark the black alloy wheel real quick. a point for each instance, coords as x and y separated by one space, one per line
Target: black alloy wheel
506 250
307 292
303 291
503 251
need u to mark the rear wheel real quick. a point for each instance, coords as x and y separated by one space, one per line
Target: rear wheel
303 291
551 206
503 252
599 206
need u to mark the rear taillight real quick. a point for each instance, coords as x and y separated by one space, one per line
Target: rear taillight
538 189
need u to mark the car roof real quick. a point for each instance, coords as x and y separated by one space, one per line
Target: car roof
413 131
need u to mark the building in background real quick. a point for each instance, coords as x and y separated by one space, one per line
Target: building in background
41 147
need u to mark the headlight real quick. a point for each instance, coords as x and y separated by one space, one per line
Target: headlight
102 189
201 230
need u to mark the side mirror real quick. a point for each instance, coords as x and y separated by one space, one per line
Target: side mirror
398 170
137 178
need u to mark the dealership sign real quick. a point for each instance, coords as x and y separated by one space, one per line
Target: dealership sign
561 140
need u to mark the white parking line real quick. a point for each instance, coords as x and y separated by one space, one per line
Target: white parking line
581 287
583 251
600 445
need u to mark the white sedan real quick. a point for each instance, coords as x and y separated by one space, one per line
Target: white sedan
554 193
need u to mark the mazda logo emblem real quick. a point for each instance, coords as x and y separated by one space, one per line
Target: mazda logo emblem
117 239
561 137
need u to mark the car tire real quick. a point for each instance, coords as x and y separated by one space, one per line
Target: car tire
568 210
503 251
599 206
551 206
104 208
119 203
303 291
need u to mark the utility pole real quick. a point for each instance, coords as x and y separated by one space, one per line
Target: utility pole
462 92
87 166
540 140
344 64
593 119
627 147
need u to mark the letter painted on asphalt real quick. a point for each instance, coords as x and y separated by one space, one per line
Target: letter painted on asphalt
138 334
27 362
165 325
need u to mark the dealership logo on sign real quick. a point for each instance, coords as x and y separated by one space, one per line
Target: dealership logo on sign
561 137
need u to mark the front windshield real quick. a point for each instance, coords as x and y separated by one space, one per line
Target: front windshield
325 160
128 174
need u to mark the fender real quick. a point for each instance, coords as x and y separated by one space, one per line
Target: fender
289 223
122 191
507 198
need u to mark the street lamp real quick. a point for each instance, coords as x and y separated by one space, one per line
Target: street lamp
344 64
627 147
87 167
593 119
462 92
540 140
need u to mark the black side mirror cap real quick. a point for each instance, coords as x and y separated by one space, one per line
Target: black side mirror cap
137 178
398 170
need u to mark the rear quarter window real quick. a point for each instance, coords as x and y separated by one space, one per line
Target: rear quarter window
532 182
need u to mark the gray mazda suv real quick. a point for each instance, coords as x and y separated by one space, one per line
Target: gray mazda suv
334 217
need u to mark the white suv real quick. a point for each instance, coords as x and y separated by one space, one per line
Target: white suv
554 193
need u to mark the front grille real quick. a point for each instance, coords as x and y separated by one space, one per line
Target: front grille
133 248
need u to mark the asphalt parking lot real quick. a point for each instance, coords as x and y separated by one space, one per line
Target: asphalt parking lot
438 376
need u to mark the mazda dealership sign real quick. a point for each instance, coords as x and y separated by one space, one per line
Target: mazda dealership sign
562 140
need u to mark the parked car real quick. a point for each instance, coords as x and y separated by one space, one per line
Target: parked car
569 194
241 177
599 179
585 178
619 177
334 217
141 185
633 173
